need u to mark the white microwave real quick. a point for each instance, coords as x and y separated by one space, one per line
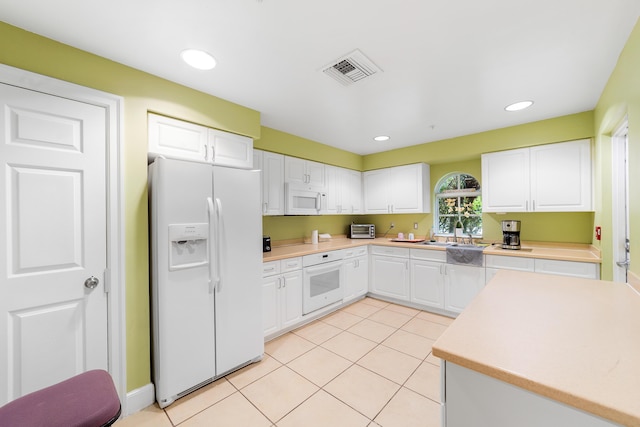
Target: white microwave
304 199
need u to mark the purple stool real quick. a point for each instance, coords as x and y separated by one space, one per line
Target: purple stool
86 400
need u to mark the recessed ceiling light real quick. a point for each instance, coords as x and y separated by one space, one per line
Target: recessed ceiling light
382 138
198 59
517 106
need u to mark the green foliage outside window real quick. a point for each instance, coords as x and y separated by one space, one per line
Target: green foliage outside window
458 197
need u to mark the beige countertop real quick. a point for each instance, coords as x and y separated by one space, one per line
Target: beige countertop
572 340
558 251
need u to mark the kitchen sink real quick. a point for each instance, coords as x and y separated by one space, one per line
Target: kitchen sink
460 245
437 243
444 244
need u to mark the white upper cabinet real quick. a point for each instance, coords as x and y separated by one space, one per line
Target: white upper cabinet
505 181
545 178
228 149
561 177
401 189
376 191
178 139
351 200
303 171
271 166
344 190
333 184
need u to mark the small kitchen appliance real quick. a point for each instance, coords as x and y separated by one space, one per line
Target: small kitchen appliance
510 234
362 231
266 244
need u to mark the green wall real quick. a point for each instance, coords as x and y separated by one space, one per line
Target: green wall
142 92
566 128
452 155
295 146
620 97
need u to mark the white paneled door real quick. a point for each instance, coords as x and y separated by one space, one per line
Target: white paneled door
53 304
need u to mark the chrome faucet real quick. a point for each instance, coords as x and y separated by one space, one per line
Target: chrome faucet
470 237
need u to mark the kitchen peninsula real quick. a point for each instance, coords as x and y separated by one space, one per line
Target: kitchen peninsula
533 350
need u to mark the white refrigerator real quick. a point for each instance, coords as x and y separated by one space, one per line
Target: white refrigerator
206 249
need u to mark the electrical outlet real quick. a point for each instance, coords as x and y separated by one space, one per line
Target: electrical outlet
392 225
415 225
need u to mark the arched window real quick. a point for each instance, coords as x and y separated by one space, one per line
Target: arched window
458 198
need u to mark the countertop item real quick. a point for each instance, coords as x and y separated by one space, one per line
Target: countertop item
557 251
569 339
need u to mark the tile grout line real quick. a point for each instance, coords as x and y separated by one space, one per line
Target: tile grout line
351 363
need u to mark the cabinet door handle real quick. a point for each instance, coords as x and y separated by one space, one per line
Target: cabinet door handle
206 151
284 282
534 205
526 206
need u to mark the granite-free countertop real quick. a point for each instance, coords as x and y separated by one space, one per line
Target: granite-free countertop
576 341
557 251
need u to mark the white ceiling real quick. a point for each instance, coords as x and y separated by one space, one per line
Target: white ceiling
449 67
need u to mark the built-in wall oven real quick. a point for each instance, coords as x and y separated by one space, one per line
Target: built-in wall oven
322 280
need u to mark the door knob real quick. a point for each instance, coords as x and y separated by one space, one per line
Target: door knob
91 282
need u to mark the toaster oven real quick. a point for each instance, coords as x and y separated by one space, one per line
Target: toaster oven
362 231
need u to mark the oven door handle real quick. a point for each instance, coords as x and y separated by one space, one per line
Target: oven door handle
320 268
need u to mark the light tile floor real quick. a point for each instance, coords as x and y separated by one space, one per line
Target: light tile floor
368 364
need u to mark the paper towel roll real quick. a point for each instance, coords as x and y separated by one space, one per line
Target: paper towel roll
314 237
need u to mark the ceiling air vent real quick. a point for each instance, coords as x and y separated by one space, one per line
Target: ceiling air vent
351 68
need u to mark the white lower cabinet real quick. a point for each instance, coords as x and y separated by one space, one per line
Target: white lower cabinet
462 284
427 283
390 272
586 270
450 287
495 263
356 273
281 294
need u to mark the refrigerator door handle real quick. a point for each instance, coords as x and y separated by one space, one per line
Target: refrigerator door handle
210 211
218 280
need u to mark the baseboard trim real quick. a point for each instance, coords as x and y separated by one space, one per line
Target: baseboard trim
139 399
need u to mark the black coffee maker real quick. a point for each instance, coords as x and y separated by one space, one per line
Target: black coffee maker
510 234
